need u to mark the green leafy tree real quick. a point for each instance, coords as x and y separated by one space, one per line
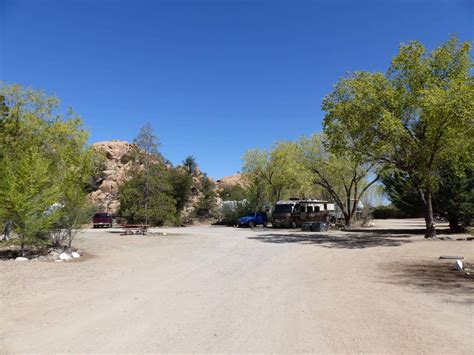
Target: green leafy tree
342 176
206 206
160 206
233 193
279 170
78 165
467 199
230 213
182 181
3 112
98 167
147 194
146 155
404 193
43 155
256 194
26 193
453 200
415 118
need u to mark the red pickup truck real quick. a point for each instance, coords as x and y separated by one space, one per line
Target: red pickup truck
102 219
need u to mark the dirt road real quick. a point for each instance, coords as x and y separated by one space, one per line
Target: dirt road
217 289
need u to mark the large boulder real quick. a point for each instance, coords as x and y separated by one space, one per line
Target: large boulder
114 150
108 187
115 169
232 180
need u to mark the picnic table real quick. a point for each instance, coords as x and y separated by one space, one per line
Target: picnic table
135 229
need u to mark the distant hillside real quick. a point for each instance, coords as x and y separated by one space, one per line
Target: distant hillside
232 180
115 171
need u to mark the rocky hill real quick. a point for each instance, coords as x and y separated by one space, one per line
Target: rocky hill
115 171
105 197
232 180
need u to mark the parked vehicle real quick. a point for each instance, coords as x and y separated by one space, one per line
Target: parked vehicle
315 211
102 219
294 213
285 214
253 219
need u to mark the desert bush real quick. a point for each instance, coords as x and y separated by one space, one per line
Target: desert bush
231 212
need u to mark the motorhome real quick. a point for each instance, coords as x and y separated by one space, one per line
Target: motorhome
285 214
294 213
315 211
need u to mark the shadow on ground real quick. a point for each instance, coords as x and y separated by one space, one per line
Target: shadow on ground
7 254
418 231
12 253
346 241
434 277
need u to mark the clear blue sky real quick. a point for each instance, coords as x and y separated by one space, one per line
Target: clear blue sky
214 78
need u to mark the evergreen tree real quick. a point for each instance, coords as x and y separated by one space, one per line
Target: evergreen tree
182 181
207 204
160 207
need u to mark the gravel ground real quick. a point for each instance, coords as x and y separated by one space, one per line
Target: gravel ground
219 289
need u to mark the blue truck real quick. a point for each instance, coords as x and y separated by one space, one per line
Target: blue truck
253 219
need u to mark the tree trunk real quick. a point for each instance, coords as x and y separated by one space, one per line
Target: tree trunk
146 200
347 220
454 225
429 219
22 244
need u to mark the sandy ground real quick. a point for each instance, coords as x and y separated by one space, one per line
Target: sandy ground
218 289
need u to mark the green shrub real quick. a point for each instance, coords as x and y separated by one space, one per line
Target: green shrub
207 204
230 213
147 197
386 212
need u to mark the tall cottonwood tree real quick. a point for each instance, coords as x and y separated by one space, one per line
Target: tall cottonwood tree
279 171
345 178
258 168
414 118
